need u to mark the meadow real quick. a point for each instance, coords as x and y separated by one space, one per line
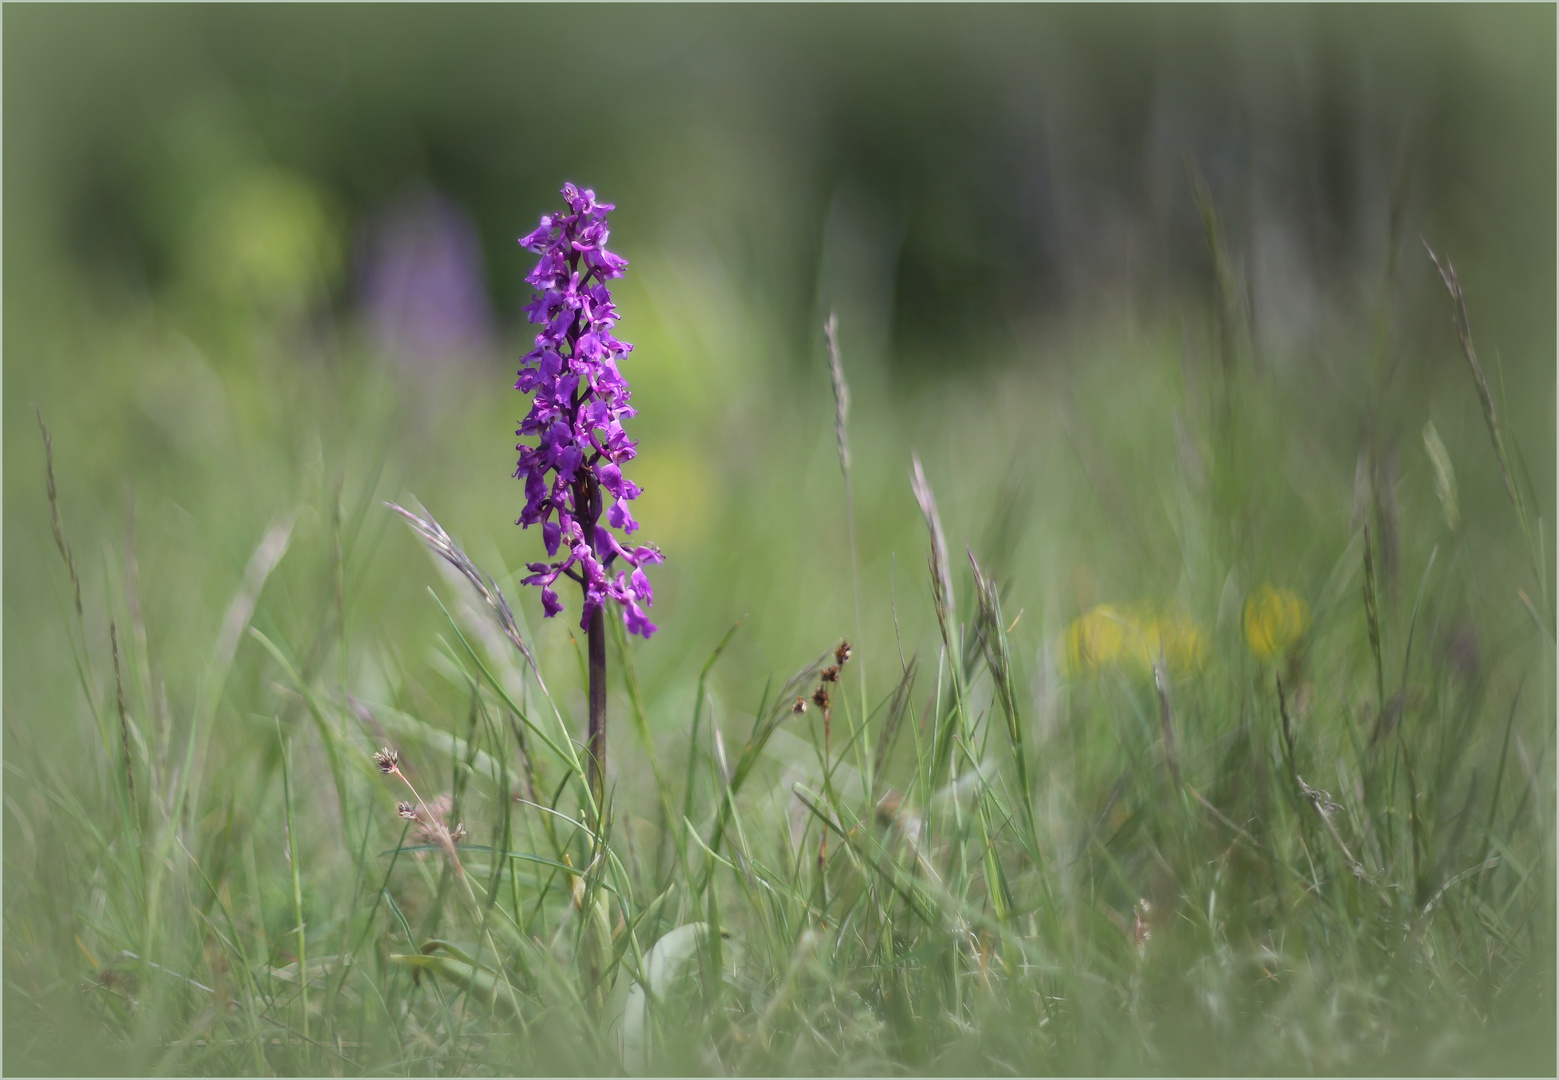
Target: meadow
1121 694
1190 830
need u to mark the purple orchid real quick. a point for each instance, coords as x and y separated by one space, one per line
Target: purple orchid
576 416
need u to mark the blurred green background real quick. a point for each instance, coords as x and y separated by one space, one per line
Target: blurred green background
253 254
262 259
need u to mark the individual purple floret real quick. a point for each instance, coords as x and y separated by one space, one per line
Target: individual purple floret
580 402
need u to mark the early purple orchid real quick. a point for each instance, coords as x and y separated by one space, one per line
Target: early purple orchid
580 402
576 416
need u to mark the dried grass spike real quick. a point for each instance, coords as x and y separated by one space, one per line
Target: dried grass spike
444 546
941 567
54 509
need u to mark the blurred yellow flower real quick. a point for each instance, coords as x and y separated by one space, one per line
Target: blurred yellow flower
1274 620
1095 639
1179 640
1106 635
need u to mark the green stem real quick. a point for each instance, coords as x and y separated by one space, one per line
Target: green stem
297 882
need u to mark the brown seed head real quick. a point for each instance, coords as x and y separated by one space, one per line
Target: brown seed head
458 833
820 697
842 654
800 706
388 760
830 674
406 810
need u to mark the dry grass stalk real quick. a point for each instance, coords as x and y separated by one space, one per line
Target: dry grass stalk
445 547
1228 289
1463 326
941 566
124 720
1372 619
1325 808
991 633
429 820
54 509
841 438
1166 720
992 640
1319 800
133 594
841 393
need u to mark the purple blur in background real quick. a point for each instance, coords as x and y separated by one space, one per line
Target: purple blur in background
421 283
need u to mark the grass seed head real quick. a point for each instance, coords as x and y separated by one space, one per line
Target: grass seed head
1141 931
444 546
389 761
109 979
842 654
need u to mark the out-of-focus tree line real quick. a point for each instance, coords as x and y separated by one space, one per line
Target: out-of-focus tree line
947 173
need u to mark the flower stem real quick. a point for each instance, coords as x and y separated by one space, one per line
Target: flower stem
597 650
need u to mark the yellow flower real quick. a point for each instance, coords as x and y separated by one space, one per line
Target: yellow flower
1106 635
1180 641
1140 642
1274 620
1095 639
1174 637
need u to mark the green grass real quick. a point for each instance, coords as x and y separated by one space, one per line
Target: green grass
998 861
